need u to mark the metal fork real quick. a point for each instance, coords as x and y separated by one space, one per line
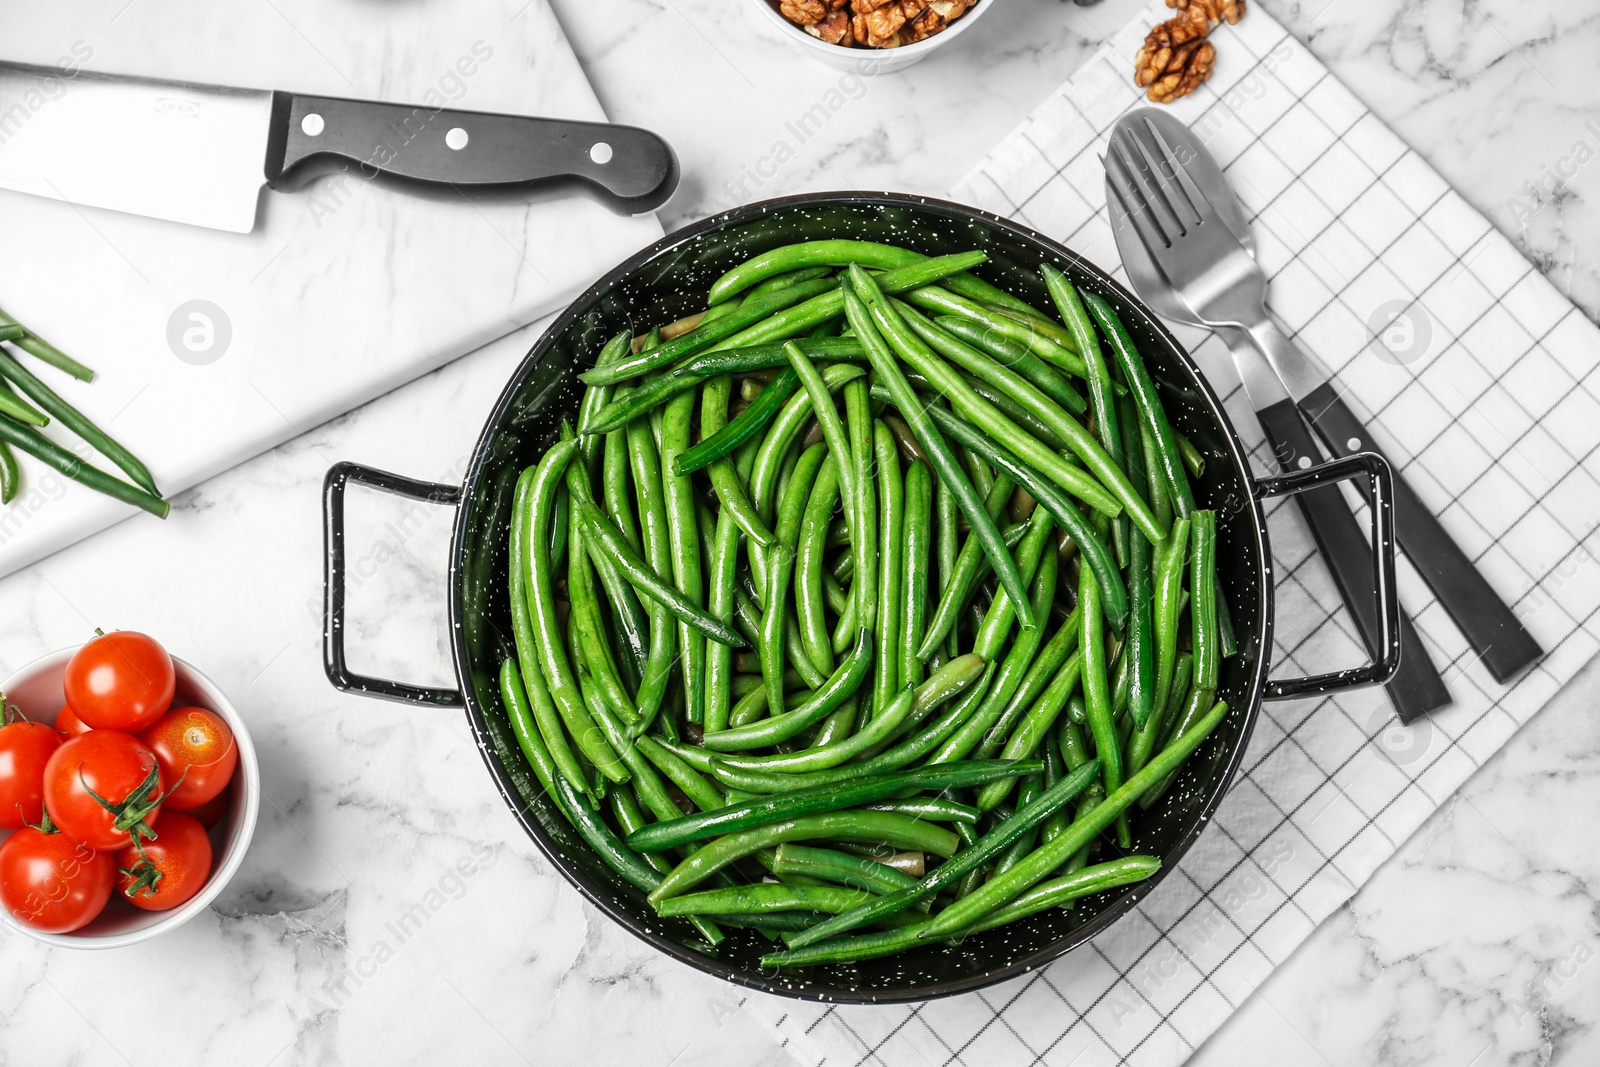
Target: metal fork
1188 258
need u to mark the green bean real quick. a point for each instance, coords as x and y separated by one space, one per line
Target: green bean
835 866
842 253
707 334
763 898
38 347
1143 743
780 568
829 306
781 281
998 892
834 595
554 668
858 416
946 518
593 829
1165 607
721 579
1062 645
1193 459
833 432
808 566
725 480
630 817
1032 786
862 302
1203 605
1156 482
1227 643
1002 350
683 543
1032 317
1193 709
717 443
588 629
839 686
1040 717
917 551
1097 696
904 711
1091 546
839 725
934 809
596 398
1012 668
874 827
1064 890
952 870
10 474
969 567
756 359
1107 490
553 738
72 419
943 301
891 565
37 445
645 465
783 806
784 431
701 792
647 581
1149 403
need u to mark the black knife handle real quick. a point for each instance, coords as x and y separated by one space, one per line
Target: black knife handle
471 152
1490 627
1416 687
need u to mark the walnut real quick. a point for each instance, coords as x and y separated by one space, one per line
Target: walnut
803 12
835 29
866 7
879 28
1176 57
1229 11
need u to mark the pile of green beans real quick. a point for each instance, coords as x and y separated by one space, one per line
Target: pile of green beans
22 416
872 605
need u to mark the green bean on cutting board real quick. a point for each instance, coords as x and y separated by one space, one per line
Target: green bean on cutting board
830 598
20 421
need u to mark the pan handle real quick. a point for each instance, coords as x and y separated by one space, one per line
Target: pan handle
1380 482
333 486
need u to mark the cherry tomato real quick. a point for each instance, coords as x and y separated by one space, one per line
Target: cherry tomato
197 754
210 813
25 748
173 868
121 770
120 681
52 883
69 725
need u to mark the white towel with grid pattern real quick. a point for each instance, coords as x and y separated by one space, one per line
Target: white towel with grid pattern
1479 379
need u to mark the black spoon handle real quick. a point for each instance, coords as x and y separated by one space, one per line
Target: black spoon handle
1494 632
471 152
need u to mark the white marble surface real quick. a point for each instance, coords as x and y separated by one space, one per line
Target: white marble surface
1475 945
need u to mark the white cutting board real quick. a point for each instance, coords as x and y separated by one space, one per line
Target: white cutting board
343 291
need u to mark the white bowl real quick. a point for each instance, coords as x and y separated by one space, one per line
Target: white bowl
37 690
866 60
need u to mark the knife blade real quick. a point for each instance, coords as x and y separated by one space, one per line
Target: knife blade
201 154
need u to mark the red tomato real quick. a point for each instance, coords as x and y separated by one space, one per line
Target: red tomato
174 866
197 754
25 748
210 813
52 883
119 768
120 681
69 725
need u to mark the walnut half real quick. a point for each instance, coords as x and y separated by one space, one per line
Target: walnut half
1176 57
1229 11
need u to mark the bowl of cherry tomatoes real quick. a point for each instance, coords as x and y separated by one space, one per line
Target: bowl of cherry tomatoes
129 790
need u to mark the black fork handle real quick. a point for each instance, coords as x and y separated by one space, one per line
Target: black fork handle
1495 633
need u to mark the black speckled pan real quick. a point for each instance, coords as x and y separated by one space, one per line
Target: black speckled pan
669 280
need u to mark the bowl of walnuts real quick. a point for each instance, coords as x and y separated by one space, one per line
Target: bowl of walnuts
887 34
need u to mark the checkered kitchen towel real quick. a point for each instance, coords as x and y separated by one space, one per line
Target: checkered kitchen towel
1477 376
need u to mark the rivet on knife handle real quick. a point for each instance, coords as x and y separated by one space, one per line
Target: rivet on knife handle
467 152
1490 627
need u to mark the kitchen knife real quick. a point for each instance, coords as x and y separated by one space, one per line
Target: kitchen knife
201 153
